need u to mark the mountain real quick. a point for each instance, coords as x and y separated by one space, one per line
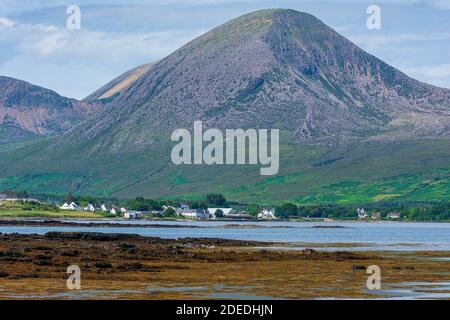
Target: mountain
275 69
28 111
352 127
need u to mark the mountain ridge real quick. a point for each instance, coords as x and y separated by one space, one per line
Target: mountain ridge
28 111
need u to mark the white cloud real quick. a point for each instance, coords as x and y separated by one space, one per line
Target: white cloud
438 74
376 41
438 71
14 26
49 44
46 40
442 4
75 63
44 28
6 23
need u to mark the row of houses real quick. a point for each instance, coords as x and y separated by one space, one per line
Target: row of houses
183 211
103 208
363 215
212 213
4 197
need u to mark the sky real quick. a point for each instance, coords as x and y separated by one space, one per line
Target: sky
117 35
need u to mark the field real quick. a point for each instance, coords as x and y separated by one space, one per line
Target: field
17 210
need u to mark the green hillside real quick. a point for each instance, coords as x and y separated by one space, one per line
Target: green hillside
405 171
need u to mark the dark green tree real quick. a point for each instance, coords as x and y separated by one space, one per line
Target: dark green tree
216 199
287 210
253 209
219 213
170 212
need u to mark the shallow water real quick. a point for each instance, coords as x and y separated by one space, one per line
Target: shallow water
401 291
368 235
416 290
218 291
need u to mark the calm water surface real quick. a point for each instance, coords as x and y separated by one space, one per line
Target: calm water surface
375 236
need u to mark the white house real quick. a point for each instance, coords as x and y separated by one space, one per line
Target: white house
123 210
376 216
195 214
186 212
6 198
361 213
65 206
106 208
89 207
115 211
132 215
267 214
183 207
393 215
71 206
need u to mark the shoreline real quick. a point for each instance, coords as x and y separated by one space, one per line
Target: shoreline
7 219
113 224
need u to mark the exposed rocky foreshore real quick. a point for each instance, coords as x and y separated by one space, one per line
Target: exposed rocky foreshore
128 265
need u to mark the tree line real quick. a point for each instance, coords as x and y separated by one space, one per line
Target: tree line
411 211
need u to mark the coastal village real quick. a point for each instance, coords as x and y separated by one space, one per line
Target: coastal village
190 211
183 211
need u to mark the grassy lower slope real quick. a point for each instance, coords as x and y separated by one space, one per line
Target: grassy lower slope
20 210
404 171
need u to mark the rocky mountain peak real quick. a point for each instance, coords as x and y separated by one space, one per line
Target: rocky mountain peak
274 69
